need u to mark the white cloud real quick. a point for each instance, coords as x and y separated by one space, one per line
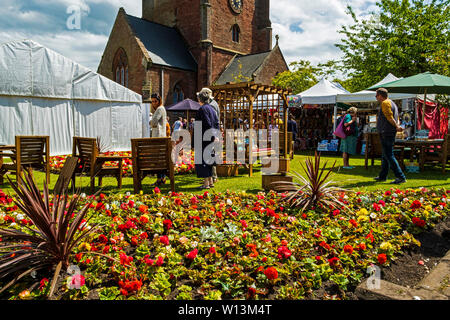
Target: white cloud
317 23
319 20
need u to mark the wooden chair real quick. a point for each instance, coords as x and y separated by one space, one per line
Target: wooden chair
29 152
437 155
375 150
66 175
92 164
152 156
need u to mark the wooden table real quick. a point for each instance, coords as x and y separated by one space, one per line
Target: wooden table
101 159
5 148
419 146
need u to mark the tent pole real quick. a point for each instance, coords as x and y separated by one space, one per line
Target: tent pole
423 109
335 117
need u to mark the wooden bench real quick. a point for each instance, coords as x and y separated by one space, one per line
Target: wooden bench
29 152
92 163
152 156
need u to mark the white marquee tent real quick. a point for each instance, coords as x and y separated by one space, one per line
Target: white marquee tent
367 96
45 93
323 92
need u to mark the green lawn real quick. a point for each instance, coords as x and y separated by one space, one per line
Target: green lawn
358 178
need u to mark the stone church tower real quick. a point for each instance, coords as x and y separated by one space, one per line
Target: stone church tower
185 45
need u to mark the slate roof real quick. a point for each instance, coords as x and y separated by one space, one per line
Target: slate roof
165 45
245 66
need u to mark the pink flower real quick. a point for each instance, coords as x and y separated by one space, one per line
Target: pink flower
77 281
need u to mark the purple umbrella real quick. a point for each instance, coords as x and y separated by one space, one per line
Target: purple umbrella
185 105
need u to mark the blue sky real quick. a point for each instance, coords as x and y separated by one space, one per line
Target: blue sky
307 29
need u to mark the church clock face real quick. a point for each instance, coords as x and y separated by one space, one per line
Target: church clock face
236 5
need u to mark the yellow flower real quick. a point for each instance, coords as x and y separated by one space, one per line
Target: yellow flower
363 212
84 246
386 246
426 213
141 192
363 218
428 208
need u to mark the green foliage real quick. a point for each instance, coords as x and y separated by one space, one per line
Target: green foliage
404 38
302 76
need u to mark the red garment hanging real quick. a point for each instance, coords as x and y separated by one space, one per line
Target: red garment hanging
432 119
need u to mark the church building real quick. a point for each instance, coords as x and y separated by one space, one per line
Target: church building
180 46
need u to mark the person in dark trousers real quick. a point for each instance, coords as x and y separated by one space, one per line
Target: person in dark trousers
292 127
387 127
208 117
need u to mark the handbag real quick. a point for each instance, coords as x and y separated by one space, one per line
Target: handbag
339 132
349 130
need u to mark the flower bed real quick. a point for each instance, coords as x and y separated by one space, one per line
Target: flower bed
232 245
182 166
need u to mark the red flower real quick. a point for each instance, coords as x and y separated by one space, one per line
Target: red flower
348 249
244 224
271 273
143 219
382 258
143 208
178 201
160 261
336 212
251 291
415 205
325 245
167 224
333 261
43 283
194 200
164 240
387 193
212 250
156 190
192 255
318 258
353 222
102 238
418 222
284 252
362 246
376 207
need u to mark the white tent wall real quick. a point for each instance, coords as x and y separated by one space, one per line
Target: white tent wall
15 118
45 93
53 118
126 124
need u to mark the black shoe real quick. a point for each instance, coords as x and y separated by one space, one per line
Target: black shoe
398 181
379 179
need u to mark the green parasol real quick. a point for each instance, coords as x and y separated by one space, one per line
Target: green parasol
422 83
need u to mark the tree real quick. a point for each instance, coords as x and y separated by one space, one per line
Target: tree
302 77
405 38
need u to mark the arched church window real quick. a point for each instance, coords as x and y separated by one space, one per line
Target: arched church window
178 94
120 64
236 33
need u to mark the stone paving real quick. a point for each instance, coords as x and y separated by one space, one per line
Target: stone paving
434 286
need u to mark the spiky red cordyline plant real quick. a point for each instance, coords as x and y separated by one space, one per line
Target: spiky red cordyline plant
50 242
315 189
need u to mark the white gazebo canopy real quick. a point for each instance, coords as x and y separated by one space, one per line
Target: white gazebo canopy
367 96
324 92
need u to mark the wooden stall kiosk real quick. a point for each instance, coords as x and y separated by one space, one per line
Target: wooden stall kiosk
250 105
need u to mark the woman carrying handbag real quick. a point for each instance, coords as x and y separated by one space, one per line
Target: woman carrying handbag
348 144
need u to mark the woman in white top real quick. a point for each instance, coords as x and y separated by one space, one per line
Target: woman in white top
159 119
158 125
